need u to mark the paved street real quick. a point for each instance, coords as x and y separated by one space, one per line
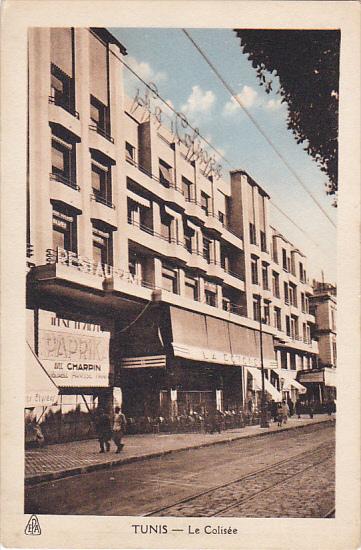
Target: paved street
284 474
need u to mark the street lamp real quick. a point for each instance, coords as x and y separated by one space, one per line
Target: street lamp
264 421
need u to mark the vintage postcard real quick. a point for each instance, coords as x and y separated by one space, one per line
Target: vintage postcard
180 345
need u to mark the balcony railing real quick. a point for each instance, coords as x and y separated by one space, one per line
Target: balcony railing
64 104
151 231
101 131
102 200
64 180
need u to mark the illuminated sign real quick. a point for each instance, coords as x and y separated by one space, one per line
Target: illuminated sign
74 353
192 141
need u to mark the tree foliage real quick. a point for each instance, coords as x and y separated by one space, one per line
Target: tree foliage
306 63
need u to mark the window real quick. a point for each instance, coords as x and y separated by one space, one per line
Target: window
129 153
100 116
294 327
275 284
226 304
303 302
169 279
222 217
285 291
288 325
63 161
187 189
292 361
293 295
224 258
207 249
304 332
334 350
308 333
274 250
333 319
284 260
102 246
165 173
266 314
277 318
256 308
166 228
263 241
254 270
64 230
252 233
135 265
62 90
205 202
265 276
191 288
101 183
210 297
301 272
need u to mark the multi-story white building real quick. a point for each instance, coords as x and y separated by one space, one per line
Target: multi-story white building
148 269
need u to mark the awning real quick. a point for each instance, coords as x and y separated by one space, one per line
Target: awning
289 381
205 338
40 389
138 199
257 384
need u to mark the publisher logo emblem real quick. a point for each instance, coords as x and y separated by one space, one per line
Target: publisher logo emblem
33 526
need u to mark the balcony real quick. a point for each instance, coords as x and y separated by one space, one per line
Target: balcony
68 274
149 238
65 190
194 211
64 115
102 209
100 140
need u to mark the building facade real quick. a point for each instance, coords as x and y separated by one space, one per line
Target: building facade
321 381
149 274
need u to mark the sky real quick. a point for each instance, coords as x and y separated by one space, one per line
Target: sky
183 78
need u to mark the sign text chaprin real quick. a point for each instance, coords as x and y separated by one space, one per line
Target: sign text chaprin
192 141
74 353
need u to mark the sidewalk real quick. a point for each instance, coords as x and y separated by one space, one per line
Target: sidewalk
66 459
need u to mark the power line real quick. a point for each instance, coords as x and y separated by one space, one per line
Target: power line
206 141
257 125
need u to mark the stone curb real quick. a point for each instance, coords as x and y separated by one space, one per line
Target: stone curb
49 476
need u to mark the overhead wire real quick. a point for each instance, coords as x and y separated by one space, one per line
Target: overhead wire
149 87
258 126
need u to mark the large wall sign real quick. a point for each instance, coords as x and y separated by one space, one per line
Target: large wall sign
74 353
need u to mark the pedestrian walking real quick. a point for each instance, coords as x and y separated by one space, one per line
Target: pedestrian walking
119 426
311 409
274 410
298 408
279 414
285 411
103 430
291 407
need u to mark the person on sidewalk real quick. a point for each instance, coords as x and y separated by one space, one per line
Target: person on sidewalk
103 430
298 408
119 426
311 408
279 414
285 411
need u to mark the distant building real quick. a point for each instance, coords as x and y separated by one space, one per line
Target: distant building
145 267
323 305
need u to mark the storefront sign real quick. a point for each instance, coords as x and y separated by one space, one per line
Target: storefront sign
74 353
311 377
85 265
148 103
212 356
